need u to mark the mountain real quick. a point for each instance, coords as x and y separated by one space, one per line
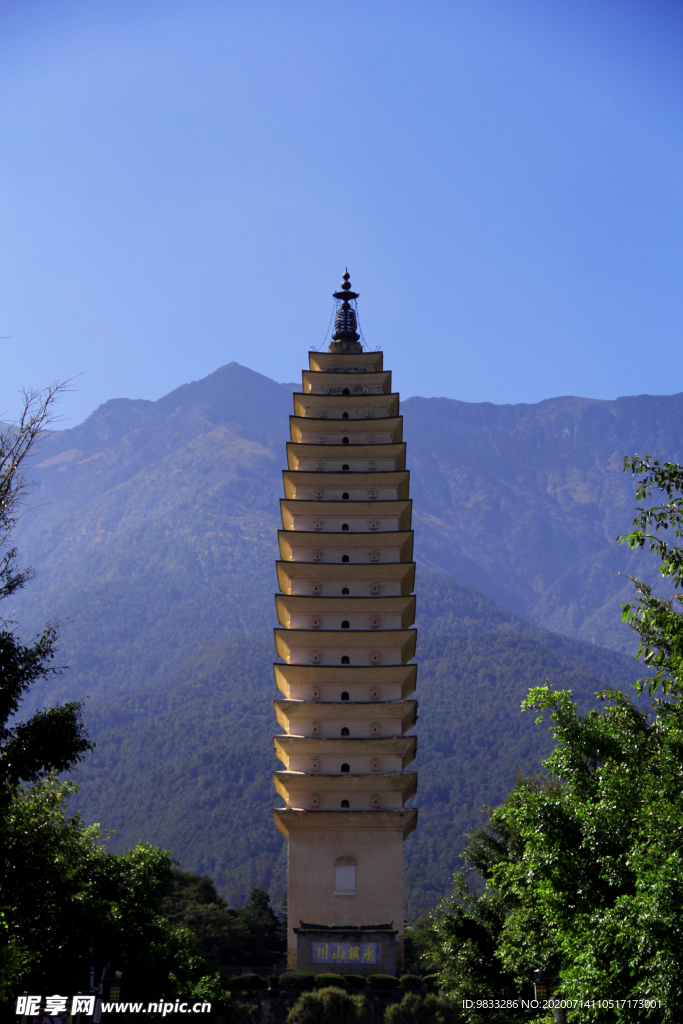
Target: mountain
154 542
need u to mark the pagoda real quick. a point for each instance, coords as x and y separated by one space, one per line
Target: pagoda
345 607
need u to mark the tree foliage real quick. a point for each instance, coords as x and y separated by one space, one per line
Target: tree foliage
329 1006
250 936
70 903
434 1008
658 622
583 867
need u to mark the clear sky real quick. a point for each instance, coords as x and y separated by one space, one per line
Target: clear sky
182 183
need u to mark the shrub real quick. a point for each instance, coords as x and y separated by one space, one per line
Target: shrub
246 983
300 981
410 983
274 983
355 982
325 980
382 982
430 1010
329 1006
431 982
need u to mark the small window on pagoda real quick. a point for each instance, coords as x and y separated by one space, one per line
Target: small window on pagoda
346 624
345 768
345 660
345 591
344 695
345 558
345 526
345 496
345 872
345 467
345 731
345 803
345 415
346 391
345 440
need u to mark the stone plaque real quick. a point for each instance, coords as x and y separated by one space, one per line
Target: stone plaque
346 952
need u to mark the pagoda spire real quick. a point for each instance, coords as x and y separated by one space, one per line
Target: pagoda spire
346 338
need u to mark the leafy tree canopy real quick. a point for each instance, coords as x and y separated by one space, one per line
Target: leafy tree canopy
250 936
582 868
70 904
658 622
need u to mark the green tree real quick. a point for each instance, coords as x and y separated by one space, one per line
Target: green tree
250 936
476 930
429 1009
329 1006
658 623
583 870
72 904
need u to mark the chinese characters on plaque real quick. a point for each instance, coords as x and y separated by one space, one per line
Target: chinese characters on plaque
345 952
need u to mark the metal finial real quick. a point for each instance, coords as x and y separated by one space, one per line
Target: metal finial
346 292
345 321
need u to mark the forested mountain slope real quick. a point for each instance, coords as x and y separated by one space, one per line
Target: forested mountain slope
522 502
155 541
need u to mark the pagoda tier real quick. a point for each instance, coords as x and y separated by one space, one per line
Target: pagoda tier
345 608
338 407
345 612
318 382
351 458
305 430
355 548
340 516
328 579
360 720
364 792
371 486
332 683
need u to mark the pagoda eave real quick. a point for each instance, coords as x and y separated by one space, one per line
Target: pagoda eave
404 783
288 820
356 362
400 711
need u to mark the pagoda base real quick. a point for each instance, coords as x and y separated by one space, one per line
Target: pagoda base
345 871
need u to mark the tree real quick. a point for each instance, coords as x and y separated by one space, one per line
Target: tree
475 931
429 1009
583 869
52 739
71 903
329 1006
66 903
251 936
658 623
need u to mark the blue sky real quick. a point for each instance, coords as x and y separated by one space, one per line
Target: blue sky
182 184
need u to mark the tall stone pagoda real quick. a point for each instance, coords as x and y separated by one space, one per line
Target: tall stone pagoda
346 604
